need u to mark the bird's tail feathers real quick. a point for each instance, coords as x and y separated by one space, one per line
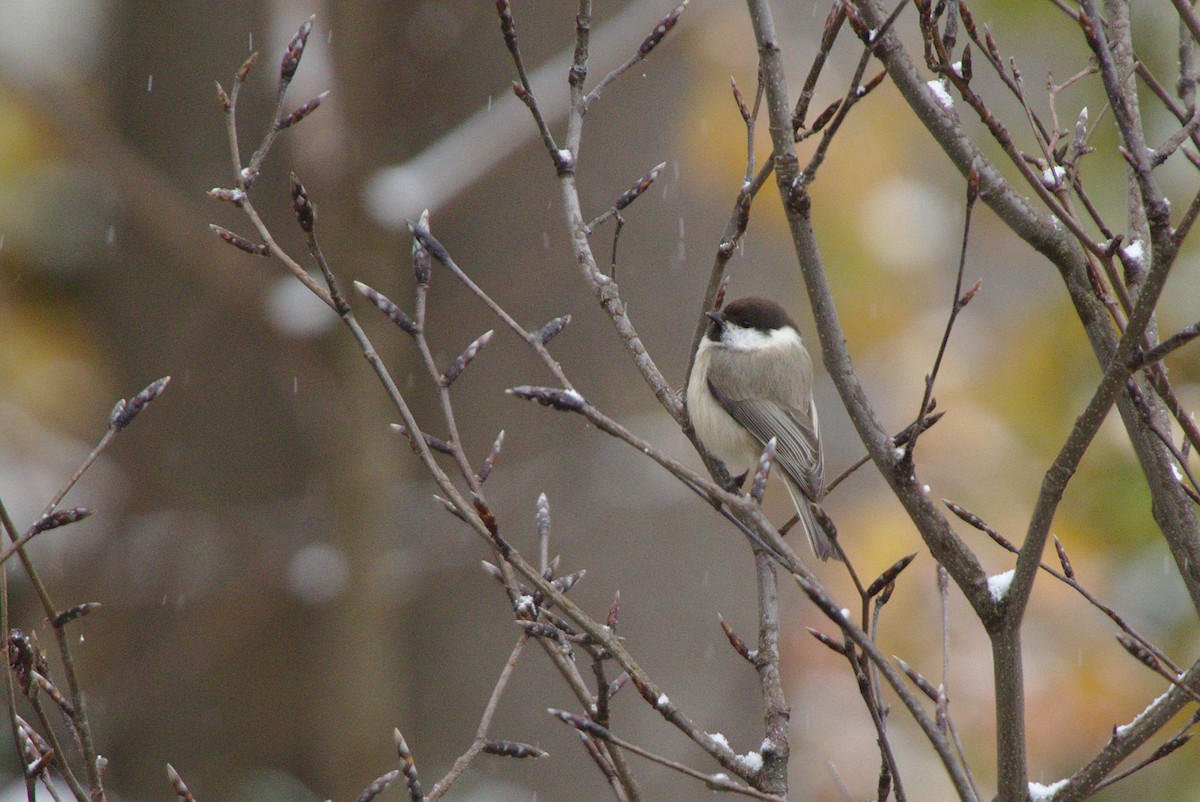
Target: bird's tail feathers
821 544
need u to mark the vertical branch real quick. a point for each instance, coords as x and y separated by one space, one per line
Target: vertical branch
945 544
960 301
776 749
1120 43
82 726
1186 85
9 690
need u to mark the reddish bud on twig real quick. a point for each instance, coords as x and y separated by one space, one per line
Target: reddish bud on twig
735 641
1144 655
1080 141
389 308
990 42
972 185
838 646
565 583
489 462
302 112
950 37
450 507
435 443
642 184
20 658
744 200
376 788
462 360
977 522
492 571
856 22
662 29
69 615
547 332
291 59
719 301
35 762
36 750
485 514
565 400
306 213
61 518
1170 746
424 246
33 735
234 196
495 573
38 766
504 10
582 724
408 766
240 242
968 20
244 70
223 97
422 264
741 102
645 690
181 789
889 576
614 612
1068 571
564 626
925 686
969 295
824 117
515 749
762 471
47 687
966 70
125 411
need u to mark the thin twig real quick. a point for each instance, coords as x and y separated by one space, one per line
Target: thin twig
485 722
718 782
959 302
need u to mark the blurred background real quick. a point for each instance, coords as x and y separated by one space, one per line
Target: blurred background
279 588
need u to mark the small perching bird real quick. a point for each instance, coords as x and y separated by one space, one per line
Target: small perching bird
752 381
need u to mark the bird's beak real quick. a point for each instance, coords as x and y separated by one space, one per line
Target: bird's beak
715 316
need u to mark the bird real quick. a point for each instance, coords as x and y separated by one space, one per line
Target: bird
752 381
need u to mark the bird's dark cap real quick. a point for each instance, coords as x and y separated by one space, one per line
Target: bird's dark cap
757 313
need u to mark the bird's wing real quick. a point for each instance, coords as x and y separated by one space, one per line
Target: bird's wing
797 449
